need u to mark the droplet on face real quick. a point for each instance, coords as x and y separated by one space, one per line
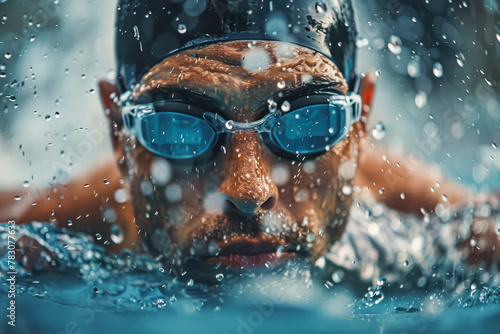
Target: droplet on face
347 190
394 44
181 28
311 237
381 191
173 193
280 175
272 105
285 106
378 131
309 167
256 60
301 196
161 171
146 188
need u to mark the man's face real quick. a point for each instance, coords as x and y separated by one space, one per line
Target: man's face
245 206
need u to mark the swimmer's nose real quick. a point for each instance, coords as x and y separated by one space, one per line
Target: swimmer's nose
248 186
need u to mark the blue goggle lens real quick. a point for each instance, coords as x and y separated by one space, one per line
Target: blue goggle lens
309 130
175 136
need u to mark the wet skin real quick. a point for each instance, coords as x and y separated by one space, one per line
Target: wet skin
235 209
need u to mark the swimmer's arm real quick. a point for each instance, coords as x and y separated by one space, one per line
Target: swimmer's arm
81 201
408 186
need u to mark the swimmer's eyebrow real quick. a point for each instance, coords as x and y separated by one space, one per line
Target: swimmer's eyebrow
183 95
309 88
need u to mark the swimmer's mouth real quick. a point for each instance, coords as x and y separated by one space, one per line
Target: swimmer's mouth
251 253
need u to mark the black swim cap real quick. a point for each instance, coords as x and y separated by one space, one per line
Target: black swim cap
148 31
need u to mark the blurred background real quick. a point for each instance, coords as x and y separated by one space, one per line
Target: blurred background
437 63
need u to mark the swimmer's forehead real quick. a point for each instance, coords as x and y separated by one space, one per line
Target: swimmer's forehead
240 76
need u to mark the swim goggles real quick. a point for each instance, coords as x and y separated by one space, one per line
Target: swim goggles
305 127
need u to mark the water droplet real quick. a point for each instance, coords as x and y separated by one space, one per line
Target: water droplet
494 145
229 125
460 59
98 236
117 234
17 198
280 175
321 232
281 84
47 118
57 114
161 171
190 282
161 303
137 35
8 55
394 44
272 105
338 276
445 198
321 7
381 191
347 190
381 281
362 42
182 28
473 242
219 277
402 196
378 72
26 184
285 106
406 263
421 99
311 237
437 69
32 38
378 131
256 59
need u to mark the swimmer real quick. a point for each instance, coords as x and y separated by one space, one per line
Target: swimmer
240 140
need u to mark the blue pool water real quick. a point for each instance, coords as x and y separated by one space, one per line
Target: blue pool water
90 291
